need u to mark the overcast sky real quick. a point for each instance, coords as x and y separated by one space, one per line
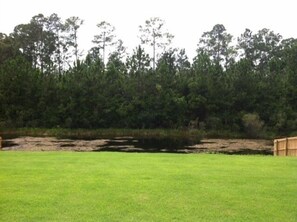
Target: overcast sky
186 19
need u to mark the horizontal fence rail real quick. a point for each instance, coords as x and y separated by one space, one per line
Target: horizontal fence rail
285 146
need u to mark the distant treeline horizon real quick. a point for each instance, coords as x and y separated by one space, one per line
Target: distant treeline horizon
247 87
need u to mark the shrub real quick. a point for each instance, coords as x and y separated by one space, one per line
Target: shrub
253 125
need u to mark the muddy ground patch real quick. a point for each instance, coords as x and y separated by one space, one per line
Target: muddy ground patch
130 144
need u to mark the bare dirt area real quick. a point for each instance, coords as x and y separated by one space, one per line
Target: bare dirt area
130 144
51 144
235 146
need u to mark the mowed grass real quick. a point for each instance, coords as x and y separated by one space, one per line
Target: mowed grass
69 186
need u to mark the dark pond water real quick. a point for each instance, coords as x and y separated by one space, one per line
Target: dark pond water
170 145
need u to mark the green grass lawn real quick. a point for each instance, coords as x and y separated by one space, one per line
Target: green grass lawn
69 186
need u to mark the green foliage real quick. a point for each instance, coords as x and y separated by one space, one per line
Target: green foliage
216 44
253 125
41 86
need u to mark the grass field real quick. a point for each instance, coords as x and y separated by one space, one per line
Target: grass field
68 186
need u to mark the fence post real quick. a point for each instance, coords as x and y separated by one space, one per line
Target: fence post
275 148
286 147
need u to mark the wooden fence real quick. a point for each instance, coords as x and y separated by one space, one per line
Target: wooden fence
285 147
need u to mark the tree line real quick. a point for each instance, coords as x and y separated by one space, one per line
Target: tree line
244 85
